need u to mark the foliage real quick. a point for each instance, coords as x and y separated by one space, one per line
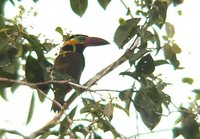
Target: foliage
23 57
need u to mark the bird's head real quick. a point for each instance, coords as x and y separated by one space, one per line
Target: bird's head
78 43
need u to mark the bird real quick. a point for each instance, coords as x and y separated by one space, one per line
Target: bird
70 63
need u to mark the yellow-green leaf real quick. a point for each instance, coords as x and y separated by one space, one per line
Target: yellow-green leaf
175 48
59 30
170 30
188 80
108 110
168 53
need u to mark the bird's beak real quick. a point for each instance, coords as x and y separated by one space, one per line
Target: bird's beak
94 41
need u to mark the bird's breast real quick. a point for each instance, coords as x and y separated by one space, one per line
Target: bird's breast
70 63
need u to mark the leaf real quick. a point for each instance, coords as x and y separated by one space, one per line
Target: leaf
145 35
105 125
65 123
79 6
7 54
125 95
131 74
160 62
35 45
197 91
8 75
126 32
80 128
148 103
188 80
174 61
170 30
175 48
177 2
145 65
166 99
34 73
73 112
59 30
35 1
168 53
31 109
157 15
189 125
96 136
126 109
104 3
176 132
108 110
13 3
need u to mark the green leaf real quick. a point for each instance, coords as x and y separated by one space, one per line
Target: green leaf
65 124
188 80
35 45
59 30
81 129
174 61
96 136
131 74
145 35
13 3
166 99
145 65
126 109
104 3
148 103
105 125
34 73
125 95
79 6
35 1
157 14
197 91
177 2
31 109
170 30
8 75
7 53
168 53
160 62
126 32
176 132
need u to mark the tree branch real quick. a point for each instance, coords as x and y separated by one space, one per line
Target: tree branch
129 53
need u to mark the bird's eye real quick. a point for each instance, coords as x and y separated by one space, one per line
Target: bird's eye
81 39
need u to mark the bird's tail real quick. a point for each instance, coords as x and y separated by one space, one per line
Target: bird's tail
59 93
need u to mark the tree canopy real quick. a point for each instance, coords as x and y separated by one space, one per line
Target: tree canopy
26 60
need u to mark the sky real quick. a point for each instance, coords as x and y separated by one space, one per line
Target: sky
59 14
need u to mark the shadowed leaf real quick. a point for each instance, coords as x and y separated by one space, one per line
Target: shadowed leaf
126 32
79 6
104 3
